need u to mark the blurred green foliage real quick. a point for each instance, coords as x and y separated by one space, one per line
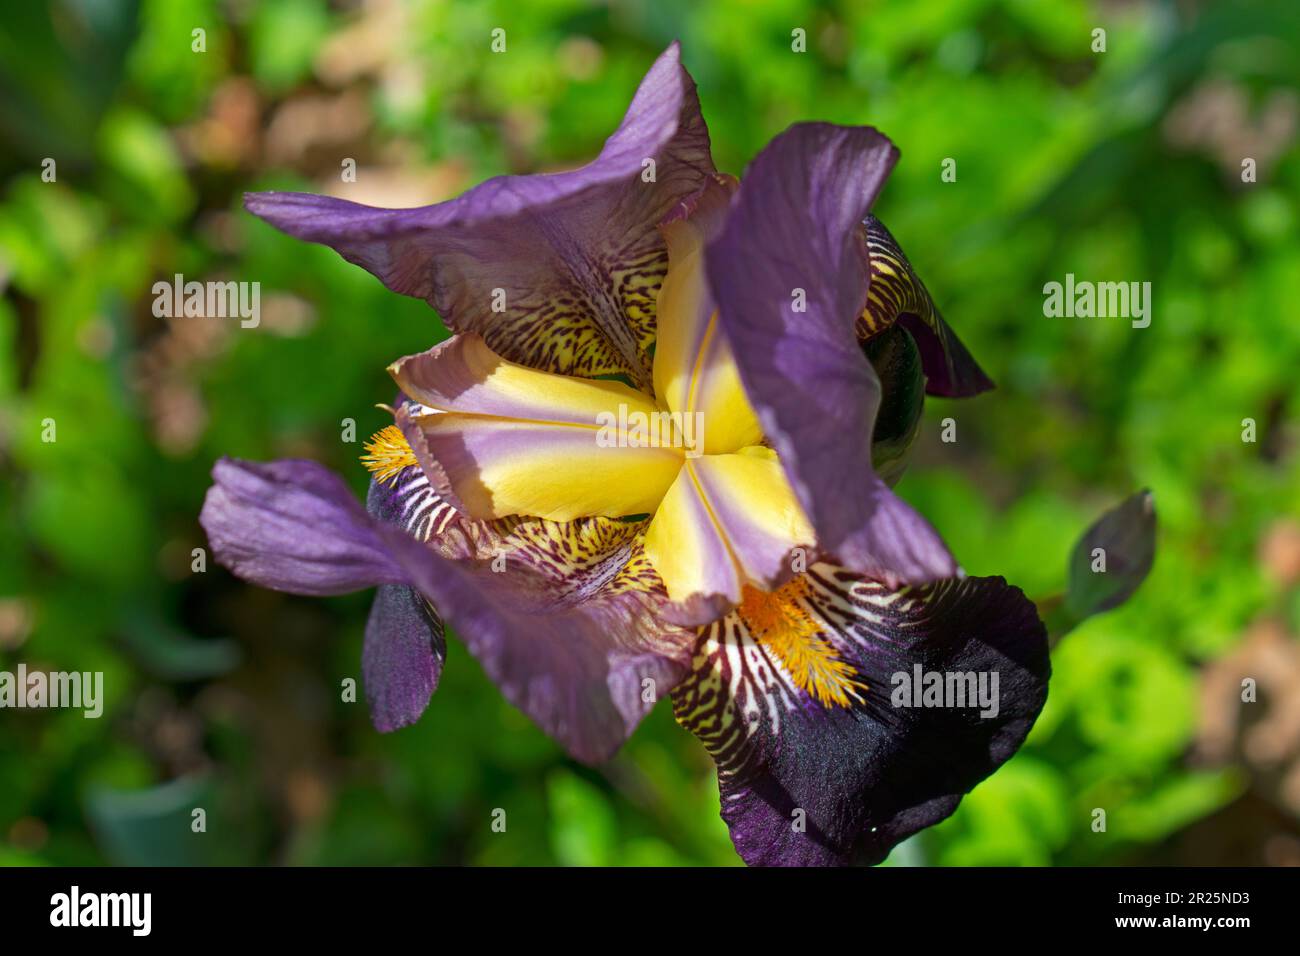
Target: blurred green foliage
1115 165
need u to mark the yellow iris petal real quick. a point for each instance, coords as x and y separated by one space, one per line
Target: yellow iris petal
694 370
727 521
513 440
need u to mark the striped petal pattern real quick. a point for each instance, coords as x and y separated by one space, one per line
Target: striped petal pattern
556 271
895 294
820 758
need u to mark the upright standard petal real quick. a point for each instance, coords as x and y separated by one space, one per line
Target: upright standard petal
557 271
844 717
895 294
790 278
566 619
729 521
694 370
499 438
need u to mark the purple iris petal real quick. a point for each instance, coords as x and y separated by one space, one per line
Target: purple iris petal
405 647
541 265
402 657
294 526
584 661
794 239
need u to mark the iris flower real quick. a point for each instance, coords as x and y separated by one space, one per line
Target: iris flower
748 557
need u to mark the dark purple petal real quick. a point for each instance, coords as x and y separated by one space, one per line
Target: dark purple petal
796 227
402 657
805 782
896 294
405 646
295 526
576 255
564 618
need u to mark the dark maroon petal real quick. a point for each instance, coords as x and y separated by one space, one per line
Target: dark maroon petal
796 225
576 256
804 782
896 294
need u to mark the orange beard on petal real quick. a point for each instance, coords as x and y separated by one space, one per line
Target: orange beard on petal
387 453
780 622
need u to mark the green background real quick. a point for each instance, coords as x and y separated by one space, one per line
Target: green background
1116 165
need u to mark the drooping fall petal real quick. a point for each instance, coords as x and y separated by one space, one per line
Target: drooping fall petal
826 752
570 628
557 271
790 278
402 657
404 647
293 526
